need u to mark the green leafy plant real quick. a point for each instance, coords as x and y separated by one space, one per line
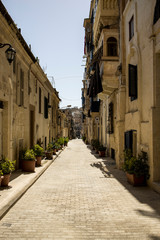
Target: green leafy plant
134 165
57 146
38 151
7 166
1 173
60 141
49 147
101 148
29 155
66 139
96 144
84 138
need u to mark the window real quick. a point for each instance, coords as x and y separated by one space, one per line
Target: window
21 88
131 28
112 46
156 12
133 82
45 107
40 99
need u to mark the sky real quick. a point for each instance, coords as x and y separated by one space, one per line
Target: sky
54 29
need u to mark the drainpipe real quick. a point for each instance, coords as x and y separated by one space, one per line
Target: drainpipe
10 110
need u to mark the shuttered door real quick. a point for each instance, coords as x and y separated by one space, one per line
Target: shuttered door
132 81
129 140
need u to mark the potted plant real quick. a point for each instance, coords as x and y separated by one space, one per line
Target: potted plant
102 151
96 145
49 151
38 151
7 167
137 169
54 148
83 138
1 174
93 144
57 146
28 162
66 141
61 141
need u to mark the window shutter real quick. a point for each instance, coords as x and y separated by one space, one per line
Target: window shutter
45 107
129 140
156 12
111 128
40 94
132 81
21 88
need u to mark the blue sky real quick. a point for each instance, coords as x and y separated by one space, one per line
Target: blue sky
54 28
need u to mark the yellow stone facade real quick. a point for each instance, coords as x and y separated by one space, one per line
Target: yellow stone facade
129 112
28 102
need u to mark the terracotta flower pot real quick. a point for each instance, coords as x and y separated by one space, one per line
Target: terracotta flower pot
5 180
0 180
38 160
136 180
54 151
102 153
28 165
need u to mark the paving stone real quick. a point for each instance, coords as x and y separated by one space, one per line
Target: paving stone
76 199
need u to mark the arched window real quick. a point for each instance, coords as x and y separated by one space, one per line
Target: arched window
156 12
112 46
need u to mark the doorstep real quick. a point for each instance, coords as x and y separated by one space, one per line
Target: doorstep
20 182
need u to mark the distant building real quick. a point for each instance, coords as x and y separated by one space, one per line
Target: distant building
74 121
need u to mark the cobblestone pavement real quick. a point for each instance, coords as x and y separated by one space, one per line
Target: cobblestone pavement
81 196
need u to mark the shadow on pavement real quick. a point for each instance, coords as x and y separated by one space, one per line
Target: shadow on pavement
143 194
154 237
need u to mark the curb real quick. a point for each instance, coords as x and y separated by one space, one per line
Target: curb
24 183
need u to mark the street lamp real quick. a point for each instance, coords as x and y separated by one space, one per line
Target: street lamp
10 52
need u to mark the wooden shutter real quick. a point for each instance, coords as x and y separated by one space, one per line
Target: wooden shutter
40 99
111 130
45 107
129 140
21 88
132 81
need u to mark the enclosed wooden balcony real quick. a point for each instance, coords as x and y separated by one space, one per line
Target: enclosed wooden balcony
109 78
106 16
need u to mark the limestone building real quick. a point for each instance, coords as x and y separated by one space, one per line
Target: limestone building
128 113
28 102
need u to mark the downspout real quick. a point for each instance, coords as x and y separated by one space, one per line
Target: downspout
10 110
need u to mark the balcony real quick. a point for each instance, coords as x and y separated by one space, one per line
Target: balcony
106 15
110 81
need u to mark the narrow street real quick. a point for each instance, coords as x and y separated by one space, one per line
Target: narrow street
75 199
